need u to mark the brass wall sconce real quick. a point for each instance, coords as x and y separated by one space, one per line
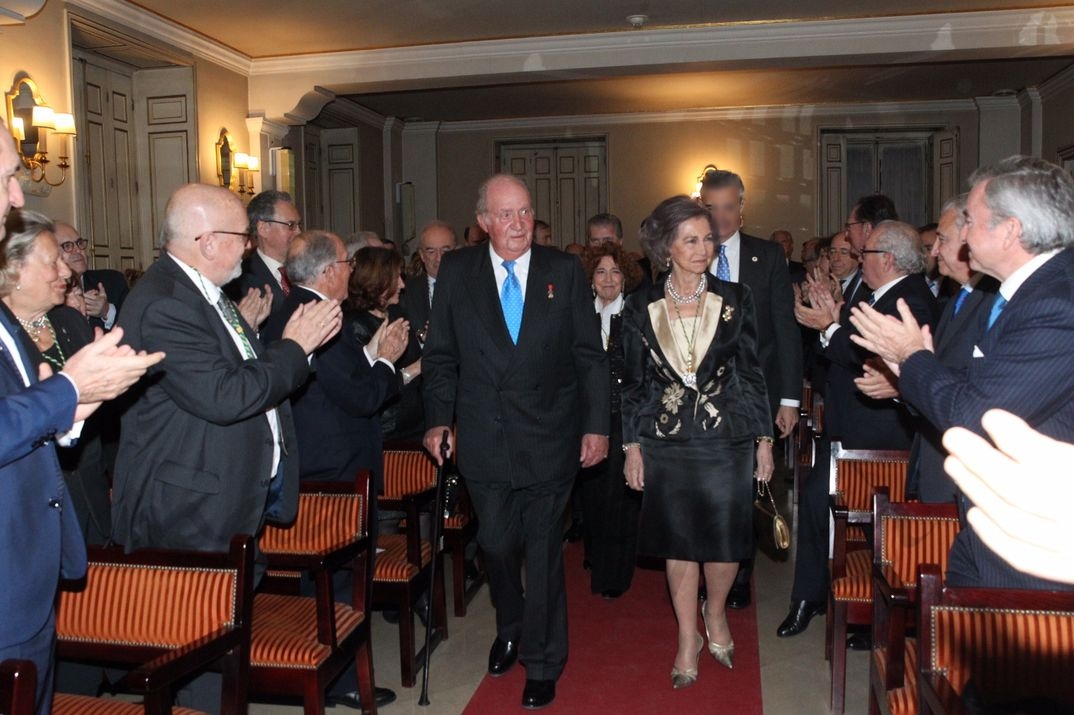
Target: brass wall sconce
31 121
709 168
234 169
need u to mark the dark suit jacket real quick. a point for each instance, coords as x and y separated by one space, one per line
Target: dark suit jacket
196 449
38 541
763 267
521 409
115 285
255 274
954 340
796 271
337 410
858 421
1024 369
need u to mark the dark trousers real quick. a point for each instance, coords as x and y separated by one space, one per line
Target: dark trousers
39 649
524 525
811 562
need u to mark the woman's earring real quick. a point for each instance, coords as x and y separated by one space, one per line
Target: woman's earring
667 264
18 286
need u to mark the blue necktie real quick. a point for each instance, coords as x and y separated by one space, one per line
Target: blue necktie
961 298
997 308
511 300
723 268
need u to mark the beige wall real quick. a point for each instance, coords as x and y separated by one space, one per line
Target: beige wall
221 100
648 162
41 49
1057 122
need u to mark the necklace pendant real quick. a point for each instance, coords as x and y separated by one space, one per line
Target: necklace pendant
689 379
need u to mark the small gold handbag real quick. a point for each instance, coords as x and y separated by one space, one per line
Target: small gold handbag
781 533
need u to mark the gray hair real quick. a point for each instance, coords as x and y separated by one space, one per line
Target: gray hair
263 207
903 242
311 253
658 231
1037 193
358 240
721 179
482 206
958 205
22 228
437 223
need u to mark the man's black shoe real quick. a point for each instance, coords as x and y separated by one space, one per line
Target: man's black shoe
538 694
739 595
859 641
502 656
383 696
574 534
798 619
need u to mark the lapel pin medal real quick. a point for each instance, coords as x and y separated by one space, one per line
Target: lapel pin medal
551 291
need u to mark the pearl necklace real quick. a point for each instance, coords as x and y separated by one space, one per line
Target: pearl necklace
701 285
34 327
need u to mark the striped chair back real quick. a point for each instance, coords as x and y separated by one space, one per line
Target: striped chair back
1008 646
855 473
330 514
407 472
911 534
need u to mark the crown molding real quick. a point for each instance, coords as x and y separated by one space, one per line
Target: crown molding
1057 83
15 12
349 111
420 128
713 114
136 18
946 35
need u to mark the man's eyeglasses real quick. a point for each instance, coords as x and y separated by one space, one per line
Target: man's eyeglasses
845 252
245 236
70 246
874 250
291 225
848 224
352 262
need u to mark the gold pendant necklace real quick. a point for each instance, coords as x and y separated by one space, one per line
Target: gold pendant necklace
689 378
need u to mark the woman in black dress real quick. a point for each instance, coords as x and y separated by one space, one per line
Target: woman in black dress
610 508
695 423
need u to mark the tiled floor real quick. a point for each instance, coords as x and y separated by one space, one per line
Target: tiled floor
794 674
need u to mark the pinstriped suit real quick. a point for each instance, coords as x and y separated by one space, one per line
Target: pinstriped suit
1025 369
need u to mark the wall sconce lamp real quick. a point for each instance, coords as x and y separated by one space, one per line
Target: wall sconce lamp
30 121
235 169
701 179
247 165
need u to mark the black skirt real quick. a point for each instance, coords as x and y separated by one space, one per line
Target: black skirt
698 499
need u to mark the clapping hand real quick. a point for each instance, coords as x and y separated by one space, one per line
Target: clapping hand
97 302
390 340
256 306
314 324
892 339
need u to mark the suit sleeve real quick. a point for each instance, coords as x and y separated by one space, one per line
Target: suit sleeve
590 358
1027 373
203 381
748 364
350 382
635 375
842 351
788 335
440 360
34 414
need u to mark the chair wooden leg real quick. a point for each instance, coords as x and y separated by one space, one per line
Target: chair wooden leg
839 658
407 665
828 621
363 662
313 697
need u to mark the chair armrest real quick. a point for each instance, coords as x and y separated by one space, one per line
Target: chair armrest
936 695
180 662
838 506
888 585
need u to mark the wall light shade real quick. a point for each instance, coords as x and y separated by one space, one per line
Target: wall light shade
253 163
30 121
44 117
65 124
18 129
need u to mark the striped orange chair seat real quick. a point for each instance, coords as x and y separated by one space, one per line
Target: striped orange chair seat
64 704
329 522
1010 646
407 472
285 631
857 585
391 564
900 701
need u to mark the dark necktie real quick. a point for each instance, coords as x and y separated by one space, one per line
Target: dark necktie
997 308
871 299
285 284
961 298
723 268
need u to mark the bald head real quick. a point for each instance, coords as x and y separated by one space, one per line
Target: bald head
205 227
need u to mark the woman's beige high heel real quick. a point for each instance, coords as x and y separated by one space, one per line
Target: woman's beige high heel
687 676
724 654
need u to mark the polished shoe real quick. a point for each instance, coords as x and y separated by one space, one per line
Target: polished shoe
739 595
859 641
611 594
687 676
502 656
798 619
575 533
724 654
383 696
538 694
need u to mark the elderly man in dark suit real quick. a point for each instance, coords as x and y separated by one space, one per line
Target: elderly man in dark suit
1020 230
40 539
514 359
273 222
104 289
762 265
892 268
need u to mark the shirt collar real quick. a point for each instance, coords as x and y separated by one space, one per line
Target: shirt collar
879 292
732 243
1015 280
209 290
613 308
273 265
522 263
316 292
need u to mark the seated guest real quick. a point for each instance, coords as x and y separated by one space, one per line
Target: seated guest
273 222
1019 230
57 332
104 289
336 411
695 416
609 507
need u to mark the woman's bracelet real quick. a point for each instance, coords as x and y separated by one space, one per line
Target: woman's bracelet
768 440
628 445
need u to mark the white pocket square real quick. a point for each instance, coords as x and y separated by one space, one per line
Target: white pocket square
977 352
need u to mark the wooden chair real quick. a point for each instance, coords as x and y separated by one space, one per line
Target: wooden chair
854 476
805 445
300 644
907 535
460 529
404 561
170 614
994 646
18 686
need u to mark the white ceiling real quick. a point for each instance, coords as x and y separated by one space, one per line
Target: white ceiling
265 29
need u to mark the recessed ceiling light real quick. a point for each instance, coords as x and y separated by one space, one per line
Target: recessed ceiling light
637 21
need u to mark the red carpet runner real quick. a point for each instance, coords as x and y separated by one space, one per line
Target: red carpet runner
621 654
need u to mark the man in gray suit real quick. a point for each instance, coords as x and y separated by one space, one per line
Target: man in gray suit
514 359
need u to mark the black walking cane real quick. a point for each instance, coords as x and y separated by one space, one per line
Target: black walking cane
437 528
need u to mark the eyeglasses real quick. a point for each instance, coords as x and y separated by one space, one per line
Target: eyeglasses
874 250
509 215
846 252
70 246
352 262
848 224
291 225
245 236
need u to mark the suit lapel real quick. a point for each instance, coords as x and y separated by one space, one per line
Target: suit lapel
749 261
535 309
25 345
487 302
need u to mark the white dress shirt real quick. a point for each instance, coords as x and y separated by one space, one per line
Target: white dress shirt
733 251
274 267
522 270
1014 281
